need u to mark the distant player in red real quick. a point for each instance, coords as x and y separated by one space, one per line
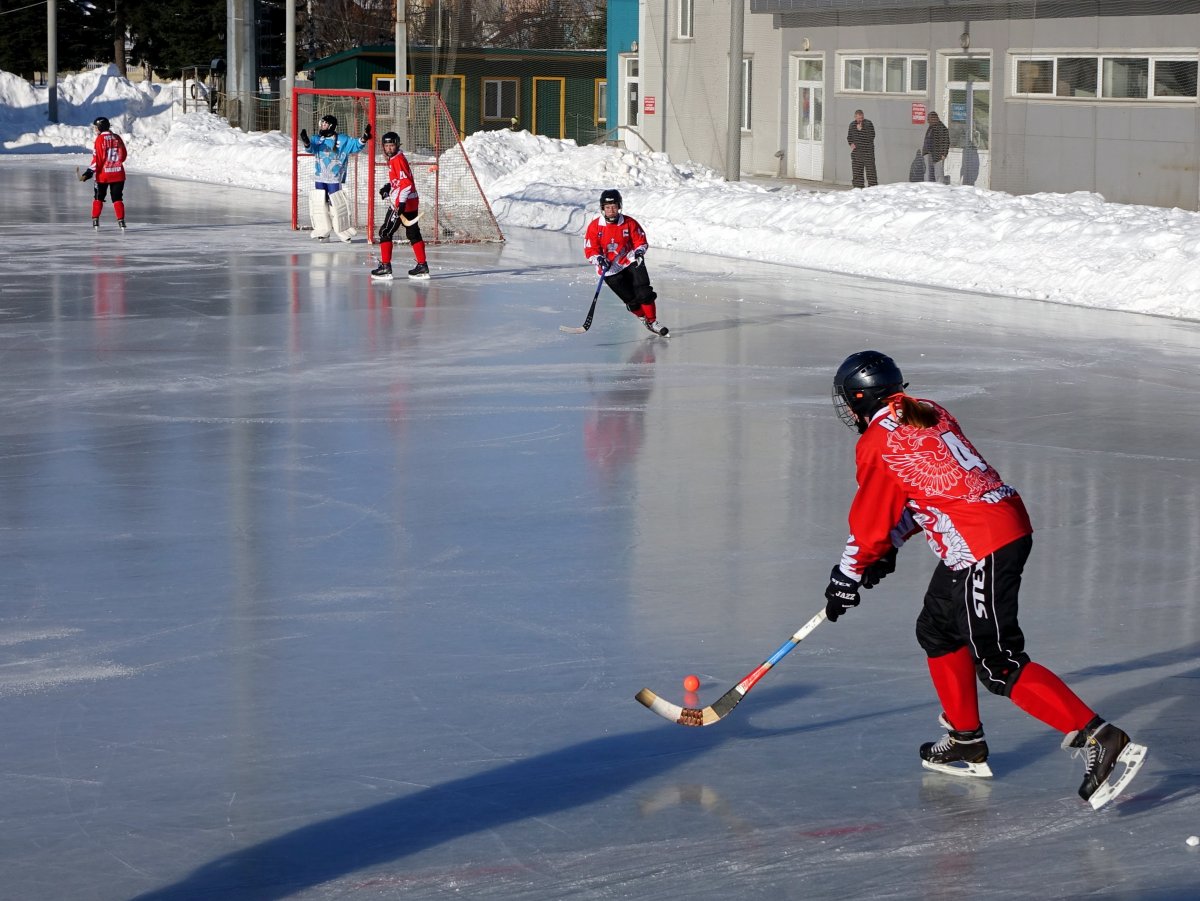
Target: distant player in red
917 472
400 192
616 245
108 165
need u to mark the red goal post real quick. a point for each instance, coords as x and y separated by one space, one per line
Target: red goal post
454 209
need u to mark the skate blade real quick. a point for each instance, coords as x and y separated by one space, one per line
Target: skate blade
1131 757
975 770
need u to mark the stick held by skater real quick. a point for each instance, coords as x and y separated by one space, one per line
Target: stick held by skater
917 472
616 245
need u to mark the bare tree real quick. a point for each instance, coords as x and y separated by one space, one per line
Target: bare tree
327 27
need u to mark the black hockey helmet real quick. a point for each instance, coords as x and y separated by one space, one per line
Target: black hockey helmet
390 137
863 384
102 124
328 126
611 195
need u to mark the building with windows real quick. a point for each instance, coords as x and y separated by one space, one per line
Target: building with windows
1059 96
556 93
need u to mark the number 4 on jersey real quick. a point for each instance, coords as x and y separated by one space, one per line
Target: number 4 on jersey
966 457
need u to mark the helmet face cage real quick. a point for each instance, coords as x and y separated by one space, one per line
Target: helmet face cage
612 195
862 385
391 144
328 126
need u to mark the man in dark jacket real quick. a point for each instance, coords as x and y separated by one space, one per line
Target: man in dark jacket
935 149
861 138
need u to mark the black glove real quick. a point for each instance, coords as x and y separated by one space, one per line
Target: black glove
841 595
639 256
385 189
85 174
884 566
367 132
304 138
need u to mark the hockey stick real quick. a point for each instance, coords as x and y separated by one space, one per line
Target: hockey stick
719 709
587 323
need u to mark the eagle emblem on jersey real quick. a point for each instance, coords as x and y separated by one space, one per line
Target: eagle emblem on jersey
939 461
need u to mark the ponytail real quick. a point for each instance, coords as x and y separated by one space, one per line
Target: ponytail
910 411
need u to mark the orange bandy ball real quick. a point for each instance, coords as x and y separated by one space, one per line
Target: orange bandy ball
690 683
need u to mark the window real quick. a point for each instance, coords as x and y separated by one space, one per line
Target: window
895 74
601 101
747 91
1075 76
499 98
1105 77
686 19
917 69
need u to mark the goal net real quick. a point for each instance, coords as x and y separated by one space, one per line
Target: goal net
454 209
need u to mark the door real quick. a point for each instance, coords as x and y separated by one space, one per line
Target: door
629 107
808 160
968 99
549 107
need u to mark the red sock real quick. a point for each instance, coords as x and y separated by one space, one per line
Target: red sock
419 251
119 208
97 206
954 681
1046 697
385 252
649 312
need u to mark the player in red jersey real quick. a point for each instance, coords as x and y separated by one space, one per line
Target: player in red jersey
400 192
917 472
108 165
616 245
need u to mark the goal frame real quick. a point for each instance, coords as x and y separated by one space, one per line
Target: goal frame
433 189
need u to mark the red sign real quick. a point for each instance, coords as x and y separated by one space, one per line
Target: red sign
918 114
648 105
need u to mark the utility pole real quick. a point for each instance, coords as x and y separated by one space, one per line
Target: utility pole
733 137
52 58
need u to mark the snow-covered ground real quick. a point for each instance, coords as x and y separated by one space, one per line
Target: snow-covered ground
1067 248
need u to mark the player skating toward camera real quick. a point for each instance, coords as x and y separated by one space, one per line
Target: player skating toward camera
108 166
328 206
616 245
400 193
917 472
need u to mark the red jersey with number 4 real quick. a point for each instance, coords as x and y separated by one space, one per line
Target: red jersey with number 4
400 177
108 158
932 479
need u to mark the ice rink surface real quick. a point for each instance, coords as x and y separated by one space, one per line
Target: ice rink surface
317 588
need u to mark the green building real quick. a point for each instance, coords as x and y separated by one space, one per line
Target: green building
556 93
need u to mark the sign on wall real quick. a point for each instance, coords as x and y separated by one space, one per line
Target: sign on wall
918 114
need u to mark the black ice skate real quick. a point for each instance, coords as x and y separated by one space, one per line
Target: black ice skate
957 753
421 270
1103 746
657 327
121 223
382 272
95 222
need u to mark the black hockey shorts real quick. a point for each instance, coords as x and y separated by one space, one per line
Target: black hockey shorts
102 187
632 285
976 608
391 224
